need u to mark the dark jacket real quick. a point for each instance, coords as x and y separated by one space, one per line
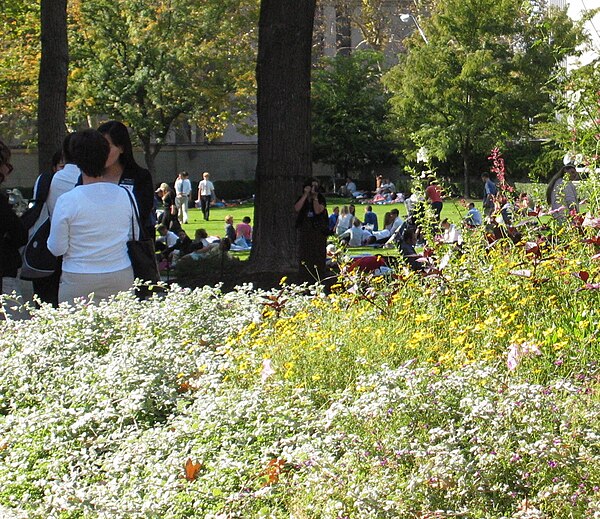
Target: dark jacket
184 247
141 182
13 235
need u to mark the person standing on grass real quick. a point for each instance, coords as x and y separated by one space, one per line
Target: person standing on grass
183 189
206 194
433 193
65 177
561 193
122 169
169 215
13 233
489 193
95 258
310 208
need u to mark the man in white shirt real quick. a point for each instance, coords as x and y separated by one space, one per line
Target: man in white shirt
166 238
395 230
183 188
206 194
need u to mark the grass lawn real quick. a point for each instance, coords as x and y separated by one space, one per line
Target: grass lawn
216 225
452 210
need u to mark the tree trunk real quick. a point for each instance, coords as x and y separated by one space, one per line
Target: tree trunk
466 155
284 144
150 153
52 87
343 29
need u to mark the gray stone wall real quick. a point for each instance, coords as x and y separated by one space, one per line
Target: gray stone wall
223 161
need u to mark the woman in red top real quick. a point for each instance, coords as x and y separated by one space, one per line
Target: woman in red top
434 195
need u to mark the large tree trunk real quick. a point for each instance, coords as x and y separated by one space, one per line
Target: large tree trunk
52 91
284 145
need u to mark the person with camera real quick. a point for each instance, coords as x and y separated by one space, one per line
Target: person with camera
312 225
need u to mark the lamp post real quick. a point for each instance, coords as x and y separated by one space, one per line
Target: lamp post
407 17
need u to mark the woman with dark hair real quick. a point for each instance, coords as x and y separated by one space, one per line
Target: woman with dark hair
122 169
95 258
561 193
312 227
169 215
12 232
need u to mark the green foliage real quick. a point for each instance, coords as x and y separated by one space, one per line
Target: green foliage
488 69
207 270
349 112
148 63
576 128
19 67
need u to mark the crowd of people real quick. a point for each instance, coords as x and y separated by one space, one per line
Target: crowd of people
405 234
95 174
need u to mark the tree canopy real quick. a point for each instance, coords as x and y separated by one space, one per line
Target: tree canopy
149 62
349 112
19 66
489 71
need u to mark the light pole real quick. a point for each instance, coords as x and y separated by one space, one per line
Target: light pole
407 17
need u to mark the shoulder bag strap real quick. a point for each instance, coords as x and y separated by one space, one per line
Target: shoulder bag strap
141 232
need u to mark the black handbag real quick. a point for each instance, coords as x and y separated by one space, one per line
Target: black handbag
141 251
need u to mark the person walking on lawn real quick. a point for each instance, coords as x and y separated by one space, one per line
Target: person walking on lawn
206 194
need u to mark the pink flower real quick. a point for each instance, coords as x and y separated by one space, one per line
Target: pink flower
517 351
267 370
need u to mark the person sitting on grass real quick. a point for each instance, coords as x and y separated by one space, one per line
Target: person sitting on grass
371 218
355 236
344 221
333 218
165 238
180 248
473 217
229 230
243 231
407 249
451 233
201 247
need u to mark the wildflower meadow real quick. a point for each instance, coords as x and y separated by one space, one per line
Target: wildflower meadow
468 391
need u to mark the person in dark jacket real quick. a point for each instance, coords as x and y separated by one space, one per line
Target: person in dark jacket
169 215
229 229
311 224
13 233
122 169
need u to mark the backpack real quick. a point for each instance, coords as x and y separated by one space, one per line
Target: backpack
31 215
38 261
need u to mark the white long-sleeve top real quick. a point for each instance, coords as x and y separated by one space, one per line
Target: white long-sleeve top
91 225
62 181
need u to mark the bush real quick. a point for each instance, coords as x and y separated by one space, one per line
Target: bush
235 189
206 271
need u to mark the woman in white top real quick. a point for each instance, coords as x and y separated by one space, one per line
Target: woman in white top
95 259
344 221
